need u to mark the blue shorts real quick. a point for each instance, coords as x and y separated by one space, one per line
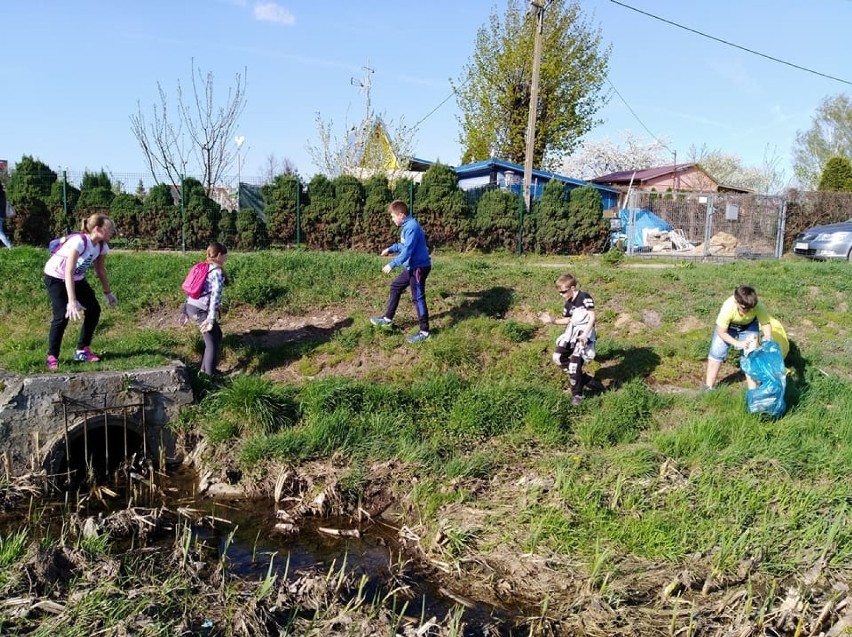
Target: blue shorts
719 348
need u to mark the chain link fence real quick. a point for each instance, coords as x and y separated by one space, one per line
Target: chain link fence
703 225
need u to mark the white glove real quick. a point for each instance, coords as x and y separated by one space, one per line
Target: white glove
206 326
387 269
111 300
74 311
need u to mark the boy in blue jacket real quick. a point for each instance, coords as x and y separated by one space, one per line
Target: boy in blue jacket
413 255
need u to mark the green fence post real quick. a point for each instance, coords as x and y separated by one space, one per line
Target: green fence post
521 206
298 212
182 218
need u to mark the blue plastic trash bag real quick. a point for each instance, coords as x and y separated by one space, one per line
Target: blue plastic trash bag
766 366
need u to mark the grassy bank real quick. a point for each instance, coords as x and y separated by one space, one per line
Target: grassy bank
646 492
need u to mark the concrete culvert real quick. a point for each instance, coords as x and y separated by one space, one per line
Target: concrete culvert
97 447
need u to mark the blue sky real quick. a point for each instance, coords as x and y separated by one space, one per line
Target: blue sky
74 71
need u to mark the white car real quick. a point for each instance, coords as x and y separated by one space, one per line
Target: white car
833 241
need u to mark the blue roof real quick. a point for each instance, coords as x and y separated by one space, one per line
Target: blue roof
484 167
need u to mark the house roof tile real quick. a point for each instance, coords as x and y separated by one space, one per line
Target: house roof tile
638 176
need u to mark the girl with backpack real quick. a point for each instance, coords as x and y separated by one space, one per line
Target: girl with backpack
202 309
71 296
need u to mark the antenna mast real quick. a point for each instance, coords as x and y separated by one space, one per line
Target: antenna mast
364 85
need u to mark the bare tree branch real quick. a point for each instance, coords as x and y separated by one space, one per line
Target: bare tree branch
273 167
203 131
360 151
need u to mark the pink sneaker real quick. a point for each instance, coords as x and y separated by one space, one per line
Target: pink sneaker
52 363
85 355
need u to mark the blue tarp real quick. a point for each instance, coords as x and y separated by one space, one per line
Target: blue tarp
643 219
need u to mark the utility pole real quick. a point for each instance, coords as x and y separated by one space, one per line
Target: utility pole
537 8
675 178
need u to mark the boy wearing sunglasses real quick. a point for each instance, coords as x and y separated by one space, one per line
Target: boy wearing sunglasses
577 344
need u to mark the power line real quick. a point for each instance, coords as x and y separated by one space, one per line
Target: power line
425 117
648 130
736 46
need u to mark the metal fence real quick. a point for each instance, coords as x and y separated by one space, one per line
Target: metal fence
703 225
707 225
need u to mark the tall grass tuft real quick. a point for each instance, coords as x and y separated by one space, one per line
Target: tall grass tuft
619 417
458 351
249 405
480 465
487 410
12 548
518 332
335 394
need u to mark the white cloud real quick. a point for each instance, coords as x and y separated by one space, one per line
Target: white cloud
273 12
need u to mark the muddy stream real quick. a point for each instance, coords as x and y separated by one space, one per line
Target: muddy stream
256 540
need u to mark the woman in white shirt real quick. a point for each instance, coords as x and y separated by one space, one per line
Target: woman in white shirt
71 296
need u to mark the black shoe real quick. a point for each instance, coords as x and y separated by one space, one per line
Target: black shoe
594 385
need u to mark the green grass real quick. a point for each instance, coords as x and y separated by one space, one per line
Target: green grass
650 470
12 548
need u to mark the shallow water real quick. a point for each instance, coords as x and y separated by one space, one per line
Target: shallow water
244 530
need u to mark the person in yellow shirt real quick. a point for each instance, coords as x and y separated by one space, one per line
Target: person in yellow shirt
740 321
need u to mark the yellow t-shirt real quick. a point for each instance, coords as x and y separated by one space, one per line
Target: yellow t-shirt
730 314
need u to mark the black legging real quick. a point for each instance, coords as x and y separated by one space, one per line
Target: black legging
212 339
570 359
59 302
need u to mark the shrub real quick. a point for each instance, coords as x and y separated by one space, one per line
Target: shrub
319 213
96 194
837 175
228 228
374 230
586 226
349 204
29 189
280 198
124 211
406 190
202 214
614 256
441 207
160 220
61 206
554 232
251 230
497 219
